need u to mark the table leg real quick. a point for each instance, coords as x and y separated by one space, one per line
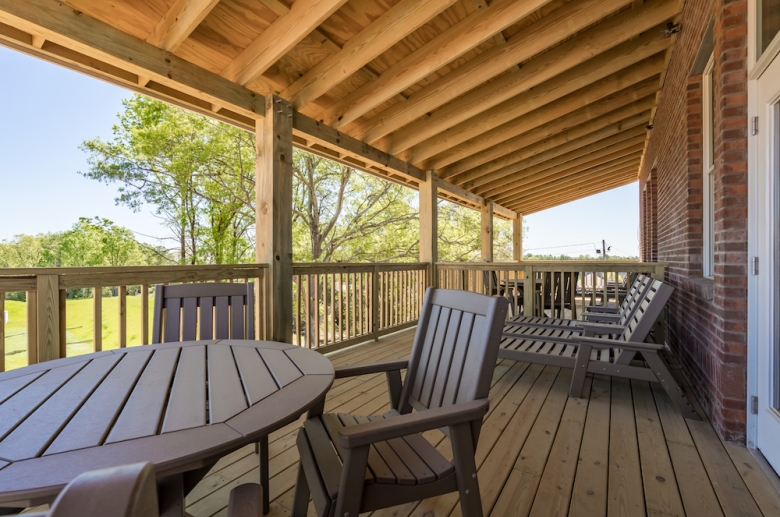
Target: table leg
170 493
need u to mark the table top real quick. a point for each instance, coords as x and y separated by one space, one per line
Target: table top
178 405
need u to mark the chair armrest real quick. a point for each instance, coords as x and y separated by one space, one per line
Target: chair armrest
246 501
599 342
601 317
411 423
601 308
602 328
364 369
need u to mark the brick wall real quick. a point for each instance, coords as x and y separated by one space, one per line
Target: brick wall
706 319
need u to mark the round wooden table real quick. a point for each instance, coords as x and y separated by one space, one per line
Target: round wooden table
181 406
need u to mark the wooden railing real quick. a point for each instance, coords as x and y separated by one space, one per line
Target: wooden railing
563 288
338 305
46 297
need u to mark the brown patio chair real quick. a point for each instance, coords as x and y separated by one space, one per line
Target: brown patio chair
353 464
186 312
628 354
131 491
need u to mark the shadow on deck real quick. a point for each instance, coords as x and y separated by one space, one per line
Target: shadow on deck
623 450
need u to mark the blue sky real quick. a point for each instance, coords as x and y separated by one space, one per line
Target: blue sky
47 111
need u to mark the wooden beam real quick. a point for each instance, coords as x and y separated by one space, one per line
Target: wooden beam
429 225
64 26
517 238
281 8
574 196
580 181
274 213
543 171
445 48
471 76
176 25
469 198
48 317
317 131
578 136
486 233
473 136
279 38
384 32
614 167
527 131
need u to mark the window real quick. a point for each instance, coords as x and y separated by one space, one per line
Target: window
768 23
708 169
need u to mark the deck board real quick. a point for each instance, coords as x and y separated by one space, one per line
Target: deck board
541 453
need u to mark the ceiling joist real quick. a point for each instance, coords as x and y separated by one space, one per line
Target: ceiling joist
178 23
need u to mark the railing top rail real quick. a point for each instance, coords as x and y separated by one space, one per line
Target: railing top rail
558 265
87 270
356 267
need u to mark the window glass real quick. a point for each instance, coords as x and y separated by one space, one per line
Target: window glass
768 23
708 171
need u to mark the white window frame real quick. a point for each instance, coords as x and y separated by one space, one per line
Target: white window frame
708 173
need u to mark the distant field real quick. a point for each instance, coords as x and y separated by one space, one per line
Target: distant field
80 317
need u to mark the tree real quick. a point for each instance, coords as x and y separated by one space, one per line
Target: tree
189 168
349 216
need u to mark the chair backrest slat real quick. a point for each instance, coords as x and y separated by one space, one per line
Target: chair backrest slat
187 312
633 298
455 349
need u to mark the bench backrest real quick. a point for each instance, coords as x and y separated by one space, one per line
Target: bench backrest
647 311
187 312
634 296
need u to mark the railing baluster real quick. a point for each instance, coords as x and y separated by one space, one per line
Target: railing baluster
145 313
122 316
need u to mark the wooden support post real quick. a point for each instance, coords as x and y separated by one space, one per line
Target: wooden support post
274 212
487 232
32 327
517 237
429 225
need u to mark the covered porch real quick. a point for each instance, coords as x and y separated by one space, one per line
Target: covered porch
505 107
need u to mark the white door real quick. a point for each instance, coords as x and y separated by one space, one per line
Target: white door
767 109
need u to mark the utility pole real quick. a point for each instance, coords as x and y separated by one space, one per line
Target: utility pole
603 249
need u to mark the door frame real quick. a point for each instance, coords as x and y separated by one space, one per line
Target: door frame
756 180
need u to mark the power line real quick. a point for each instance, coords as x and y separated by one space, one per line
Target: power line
566 246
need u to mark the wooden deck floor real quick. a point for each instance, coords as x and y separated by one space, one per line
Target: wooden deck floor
623 450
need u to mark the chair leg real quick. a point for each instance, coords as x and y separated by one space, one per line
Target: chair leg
262 449
669 383
466 470
580 371
350 495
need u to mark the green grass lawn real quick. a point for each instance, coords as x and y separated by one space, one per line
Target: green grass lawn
80 317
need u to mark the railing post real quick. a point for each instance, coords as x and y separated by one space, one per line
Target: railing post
274 211
529 291
2 332
375 303
660 327
32 327
48 317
